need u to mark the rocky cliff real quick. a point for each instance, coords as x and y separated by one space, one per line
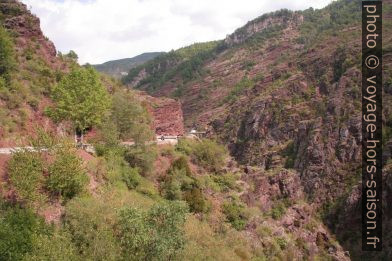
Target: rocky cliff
166 113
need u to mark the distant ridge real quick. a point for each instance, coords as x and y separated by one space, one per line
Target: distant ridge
119 68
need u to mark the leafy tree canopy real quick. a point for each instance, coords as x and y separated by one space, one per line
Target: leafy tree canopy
81 98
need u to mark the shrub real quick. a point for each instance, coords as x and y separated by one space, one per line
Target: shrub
66 174
108 140
131 177
196 200
90 223
207 153
25 171
210 154
44 139
171 188
142 157
57 246
180 184
18 227
226 181
153 235
181 164
235 214
185 146
278 210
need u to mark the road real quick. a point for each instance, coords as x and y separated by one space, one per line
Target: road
160 140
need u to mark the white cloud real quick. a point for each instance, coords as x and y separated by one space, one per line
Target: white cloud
101 30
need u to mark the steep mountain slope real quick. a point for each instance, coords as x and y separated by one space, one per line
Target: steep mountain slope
117 68
32 69
284 93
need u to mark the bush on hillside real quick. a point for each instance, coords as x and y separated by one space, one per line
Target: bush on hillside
56 246
209 154
178 178
18 229
90 223
226 181
196 200
180 184
235 214
67 177
142 157
153 235
181 164
25 171
131 177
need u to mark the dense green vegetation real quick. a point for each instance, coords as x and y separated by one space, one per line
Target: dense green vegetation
235 214
19 227
329 20
153 235
206 153
7 60
181 184
81 98
131 118
186 62
65 175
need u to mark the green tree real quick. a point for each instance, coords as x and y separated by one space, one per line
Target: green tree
72 55
131 118
81 98
153 235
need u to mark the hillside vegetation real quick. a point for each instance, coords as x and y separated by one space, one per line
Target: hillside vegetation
277 178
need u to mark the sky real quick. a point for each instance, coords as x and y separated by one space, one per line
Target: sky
103 30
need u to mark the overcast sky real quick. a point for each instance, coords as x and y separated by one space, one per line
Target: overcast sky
102 30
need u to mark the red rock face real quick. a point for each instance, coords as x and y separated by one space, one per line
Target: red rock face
168 118
26 28
167 115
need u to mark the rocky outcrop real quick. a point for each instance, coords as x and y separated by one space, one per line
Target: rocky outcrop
26 28
283 18
286 184
166 114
